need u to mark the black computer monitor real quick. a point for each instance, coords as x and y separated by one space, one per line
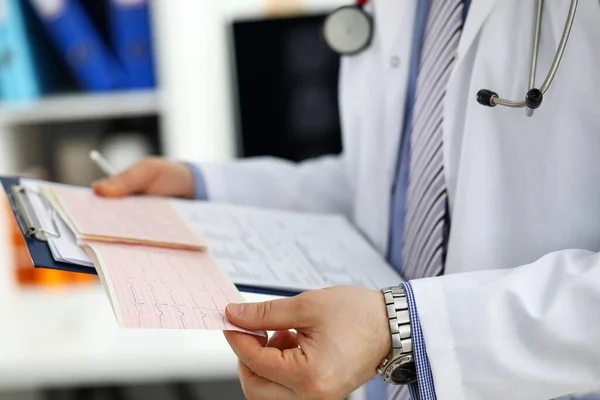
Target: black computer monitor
287 88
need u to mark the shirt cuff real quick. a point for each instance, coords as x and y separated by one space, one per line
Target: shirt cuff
200 192
423 389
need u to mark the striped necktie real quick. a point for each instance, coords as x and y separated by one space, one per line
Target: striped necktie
426 212
425 220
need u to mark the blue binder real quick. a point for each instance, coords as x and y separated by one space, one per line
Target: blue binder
42 256
131 37
97 10
20 77
82 47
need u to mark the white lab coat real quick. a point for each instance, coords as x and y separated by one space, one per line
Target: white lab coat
517 315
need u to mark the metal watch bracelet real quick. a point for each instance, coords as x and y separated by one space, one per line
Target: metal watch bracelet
401 335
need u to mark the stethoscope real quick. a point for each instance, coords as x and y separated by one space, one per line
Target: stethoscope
349 30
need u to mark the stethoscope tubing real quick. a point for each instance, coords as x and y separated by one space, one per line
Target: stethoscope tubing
486 97
495 100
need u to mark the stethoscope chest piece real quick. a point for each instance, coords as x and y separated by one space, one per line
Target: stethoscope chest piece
348 30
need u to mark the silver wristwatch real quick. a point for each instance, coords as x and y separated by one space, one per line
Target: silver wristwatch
399 366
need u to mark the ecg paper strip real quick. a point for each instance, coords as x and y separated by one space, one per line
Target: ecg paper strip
158 288
135 218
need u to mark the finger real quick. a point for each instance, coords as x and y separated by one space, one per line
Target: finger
283 340
257 387
135 179
285 367
290 313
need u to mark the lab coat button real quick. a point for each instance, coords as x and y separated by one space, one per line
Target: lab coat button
395 61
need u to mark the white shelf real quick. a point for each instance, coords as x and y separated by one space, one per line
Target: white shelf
80 106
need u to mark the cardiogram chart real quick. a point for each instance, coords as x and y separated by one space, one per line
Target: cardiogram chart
161 288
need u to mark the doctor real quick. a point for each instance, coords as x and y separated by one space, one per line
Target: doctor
493 217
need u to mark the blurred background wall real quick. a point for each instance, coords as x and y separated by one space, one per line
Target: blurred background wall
206 80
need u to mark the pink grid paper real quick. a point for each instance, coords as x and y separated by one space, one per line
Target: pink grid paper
129 219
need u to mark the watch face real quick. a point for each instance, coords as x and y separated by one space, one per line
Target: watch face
404 374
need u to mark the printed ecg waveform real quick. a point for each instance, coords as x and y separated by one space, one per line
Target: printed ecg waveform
161 288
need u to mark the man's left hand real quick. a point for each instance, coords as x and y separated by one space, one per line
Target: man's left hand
342 334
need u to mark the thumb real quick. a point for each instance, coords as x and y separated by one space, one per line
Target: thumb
290 313
135 179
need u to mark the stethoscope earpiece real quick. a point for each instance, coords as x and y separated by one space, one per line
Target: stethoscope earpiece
486 97
534 98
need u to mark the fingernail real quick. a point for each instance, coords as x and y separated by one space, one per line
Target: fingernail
236 309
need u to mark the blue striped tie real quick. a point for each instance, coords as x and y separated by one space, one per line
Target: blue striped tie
425 219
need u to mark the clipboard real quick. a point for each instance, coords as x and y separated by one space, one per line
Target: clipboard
36 239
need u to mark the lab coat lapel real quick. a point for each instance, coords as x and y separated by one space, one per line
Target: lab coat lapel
479 10
396 40
455 104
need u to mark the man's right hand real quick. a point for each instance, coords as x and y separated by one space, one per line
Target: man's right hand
154 176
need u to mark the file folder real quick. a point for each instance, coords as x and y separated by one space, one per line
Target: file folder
80 44
129 25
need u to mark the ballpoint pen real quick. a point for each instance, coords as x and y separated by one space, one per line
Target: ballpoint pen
103 163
